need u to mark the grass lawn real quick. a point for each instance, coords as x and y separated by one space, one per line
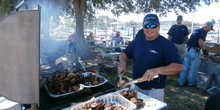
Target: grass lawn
177 98
183 98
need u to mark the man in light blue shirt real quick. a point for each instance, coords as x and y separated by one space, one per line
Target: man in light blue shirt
117 40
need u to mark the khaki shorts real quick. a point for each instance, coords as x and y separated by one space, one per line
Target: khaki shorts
181 50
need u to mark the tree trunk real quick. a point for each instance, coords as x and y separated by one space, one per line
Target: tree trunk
82 50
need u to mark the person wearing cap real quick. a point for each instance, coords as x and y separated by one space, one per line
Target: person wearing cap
192 57
178 34
153 55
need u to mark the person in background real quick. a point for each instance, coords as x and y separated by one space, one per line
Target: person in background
115 40
192 57
122 40
213 102
72 49
153 55
72 43
90 36
178 34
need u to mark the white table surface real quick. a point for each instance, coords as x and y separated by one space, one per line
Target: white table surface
6 104
150 103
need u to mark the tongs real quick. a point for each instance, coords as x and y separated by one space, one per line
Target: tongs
139 80
120 76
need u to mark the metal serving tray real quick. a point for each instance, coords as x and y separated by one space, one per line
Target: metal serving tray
61 95
90 74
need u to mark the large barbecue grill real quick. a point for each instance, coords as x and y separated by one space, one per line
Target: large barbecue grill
20 65
49 103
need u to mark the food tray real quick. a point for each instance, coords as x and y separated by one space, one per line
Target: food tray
60 79
47 70
149 102
90 74
108 99
61 95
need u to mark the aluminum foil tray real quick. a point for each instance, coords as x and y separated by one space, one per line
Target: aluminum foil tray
89 84
61 95
149 102
107 99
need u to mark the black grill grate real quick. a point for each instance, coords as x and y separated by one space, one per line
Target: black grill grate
50 103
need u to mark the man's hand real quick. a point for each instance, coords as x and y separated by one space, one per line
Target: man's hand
121 69
121 83
205 52
149 75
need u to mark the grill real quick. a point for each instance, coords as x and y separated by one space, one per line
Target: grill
50 103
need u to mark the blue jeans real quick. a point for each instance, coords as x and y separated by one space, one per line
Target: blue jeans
191 66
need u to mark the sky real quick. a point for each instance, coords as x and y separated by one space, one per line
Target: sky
203 14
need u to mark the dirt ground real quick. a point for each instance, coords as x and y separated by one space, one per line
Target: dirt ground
183 98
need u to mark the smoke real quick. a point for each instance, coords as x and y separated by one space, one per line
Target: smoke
50 48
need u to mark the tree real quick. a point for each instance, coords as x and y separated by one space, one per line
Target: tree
6 6
87 8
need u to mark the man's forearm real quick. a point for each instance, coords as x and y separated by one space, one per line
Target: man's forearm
123 59
201 44
171 69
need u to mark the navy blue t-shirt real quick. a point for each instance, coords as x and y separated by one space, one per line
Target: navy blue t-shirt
151 54
178 33
195 36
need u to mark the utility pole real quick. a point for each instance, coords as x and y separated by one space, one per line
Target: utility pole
192 26
218 24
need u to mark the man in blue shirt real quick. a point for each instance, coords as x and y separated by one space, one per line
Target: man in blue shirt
178 34
153 55
192 57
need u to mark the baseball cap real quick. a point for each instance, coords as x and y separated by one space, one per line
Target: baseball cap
179 17
210 24
151 19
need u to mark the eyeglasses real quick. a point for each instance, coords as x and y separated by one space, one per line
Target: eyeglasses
152 26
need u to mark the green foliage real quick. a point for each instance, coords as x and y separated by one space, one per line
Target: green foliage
118 7
6 6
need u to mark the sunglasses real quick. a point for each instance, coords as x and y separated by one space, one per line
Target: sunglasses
150 26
